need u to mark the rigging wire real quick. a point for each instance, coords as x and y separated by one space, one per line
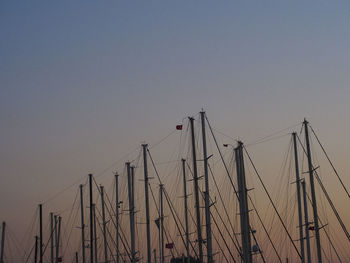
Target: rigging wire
272 203
328 198
335 171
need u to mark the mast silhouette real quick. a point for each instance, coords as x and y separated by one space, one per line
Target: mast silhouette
196 192
2 242
82 224
148 231
243 205
300 216
313 193
41 233
186 210
306 220
161 223
206 193
130 172
91 221
104 224
117 217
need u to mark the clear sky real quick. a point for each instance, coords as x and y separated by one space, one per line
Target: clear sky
85 82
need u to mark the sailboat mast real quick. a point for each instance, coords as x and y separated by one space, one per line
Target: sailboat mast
104 223
206 193
2 242
148 231
117 217
55 229
51 238
82 223
95 232
36 250
306 220
58 238
300 216
161 223
313 194
91 221
196 192
130 172
243 205
186 210
41 232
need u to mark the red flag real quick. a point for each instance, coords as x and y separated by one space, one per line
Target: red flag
59 259
179 127
225 144
311 228
169 245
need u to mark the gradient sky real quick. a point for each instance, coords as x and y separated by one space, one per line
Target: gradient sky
85 82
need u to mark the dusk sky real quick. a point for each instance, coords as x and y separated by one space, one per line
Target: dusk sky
83 83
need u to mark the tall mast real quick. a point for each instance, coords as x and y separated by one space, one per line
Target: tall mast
41 232
206 193
82 224
51 237
155 255
196 192
117 217
130 172
307 235
76 257
186 210
161 223
36 250
243 204
148 231
91 222
300 216
104 223
95 232
313 194
2 242
58 238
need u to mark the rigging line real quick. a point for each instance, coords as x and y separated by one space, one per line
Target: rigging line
172 212
335 171
64 190
215 222
232 181
222 236
266 232
171 206
222 252
272 203
70 232
115 163
274 133
228 217
11 236
30 253
221 156
155 169
324 229
163 139
69 217
99 224
267 140
121 233
328 198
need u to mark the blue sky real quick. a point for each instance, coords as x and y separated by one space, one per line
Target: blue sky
83 82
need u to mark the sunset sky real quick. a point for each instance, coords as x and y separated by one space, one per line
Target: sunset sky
84 83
